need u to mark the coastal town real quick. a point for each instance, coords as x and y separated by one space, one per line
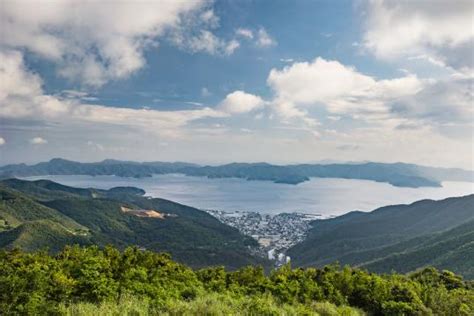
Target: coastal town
275 233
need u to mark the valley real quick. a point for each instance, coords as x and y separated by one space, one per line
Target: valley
275 233
44 214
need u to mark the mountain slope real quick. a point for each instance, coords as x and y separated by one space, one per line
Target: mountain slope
53 215
17 208
453 250
41 234
399 237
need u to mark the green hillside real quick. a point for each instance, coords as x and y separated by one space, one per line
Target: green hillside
17 208
40 214
453 249
41 234
93 281
400 238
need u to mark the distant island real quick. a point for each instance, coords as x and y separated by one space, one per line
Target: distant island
396 174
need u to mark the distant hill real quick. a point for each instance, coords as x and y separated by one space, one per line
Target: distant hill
106 167
44 214
397 174
400 237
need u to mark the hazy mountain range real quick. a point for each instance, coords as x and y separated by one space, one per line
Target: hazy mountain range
397 174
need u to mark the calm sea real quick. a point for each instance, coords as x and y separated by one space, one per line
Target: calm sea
317 196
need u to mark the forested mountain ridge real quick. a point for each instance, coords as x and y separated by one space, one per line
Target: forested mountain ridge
397 174
43 214
452 249
399 237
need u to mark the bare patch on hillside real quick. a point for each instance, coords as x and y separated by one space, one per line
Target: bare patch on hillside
146 213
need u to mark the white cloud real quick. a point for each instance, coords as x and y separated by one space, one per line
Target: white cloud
209 18
79 95
442 103
440 30
336 87
38 141
246 33
206 42
23 98
239 102
231 47
195 35
194 103
264 39
92 41
2 141
14 79
405 103
261 37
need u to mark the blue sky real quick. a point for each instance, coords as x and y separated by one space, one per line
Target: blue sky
221 81
177 75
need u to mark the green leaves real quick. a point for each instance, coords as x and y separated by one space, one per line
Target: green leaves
41 284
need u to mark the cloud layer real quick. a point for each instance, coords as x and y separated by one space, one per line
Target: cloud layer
312 106
92 42
337 88
23 98
441 31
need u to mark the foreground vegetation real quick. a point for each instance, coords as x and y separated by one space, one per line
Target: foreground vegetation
93 281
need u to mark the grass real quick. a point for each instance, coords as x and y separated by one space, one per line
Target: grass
209 305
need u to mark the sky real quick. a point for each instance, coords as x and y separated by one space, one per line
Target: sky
222 81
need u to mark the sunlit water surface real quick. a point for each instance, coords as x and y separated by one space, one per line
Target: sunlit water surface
317 196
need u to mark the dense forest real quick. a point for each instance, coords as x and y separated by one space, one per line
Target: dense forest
93 281
398 238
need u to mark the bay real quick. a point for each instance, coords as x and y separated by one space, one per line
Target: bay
325 196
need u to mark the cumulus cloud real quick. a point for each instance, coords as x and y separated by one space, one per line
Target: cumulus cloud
445 104
38 141
85 39
339 88
406 103
441 31
264 39
239 102
15 79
